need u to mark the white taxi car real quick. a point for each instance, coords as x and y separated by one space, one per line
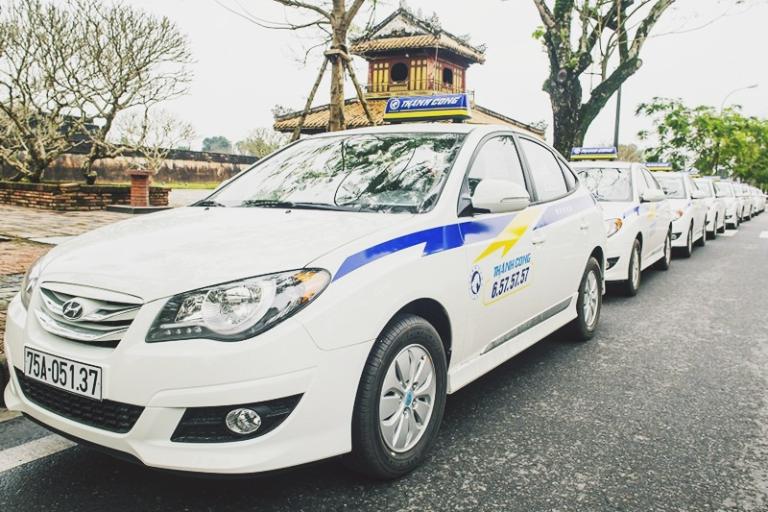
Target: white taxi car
323 302
724 190
637 215
688 209
745 201
715 206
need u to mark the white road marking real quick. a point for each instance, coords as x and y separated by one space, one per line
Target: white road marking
730 232
764 234
6 415
31 451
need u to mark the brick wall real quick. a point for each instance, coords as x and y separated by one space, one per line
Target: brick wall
73 196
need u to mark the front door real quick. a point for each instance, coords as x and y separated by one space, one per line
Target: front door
499 250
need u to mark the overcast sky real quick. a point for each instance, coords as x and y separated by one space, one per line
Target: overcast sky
242 70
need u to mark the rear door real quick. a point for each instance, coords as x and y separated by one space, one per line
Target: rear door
558 232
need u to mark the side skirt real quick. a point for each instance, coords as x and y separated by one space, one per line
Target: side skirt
512 343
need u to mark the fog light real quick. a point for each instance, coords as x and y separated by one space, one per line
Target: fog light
243 421
675 236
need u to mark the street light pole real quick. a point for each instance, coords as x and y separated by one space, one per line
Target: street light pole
719 171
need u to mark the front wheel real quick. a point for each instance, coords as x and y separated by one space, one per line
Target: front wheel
632 284
701 242
400 399
666 261
589 303
715 229
687 251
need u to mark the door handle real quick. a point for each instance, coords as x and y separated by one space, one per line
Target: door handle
538 239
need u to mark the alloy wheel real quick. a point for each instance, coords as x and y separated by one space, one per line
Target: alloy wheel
407 398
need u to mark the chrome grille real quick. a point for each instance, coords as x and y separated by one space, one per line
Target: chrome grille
101 323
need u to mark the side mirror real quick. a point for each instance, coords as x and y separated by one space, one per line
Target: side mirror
652 195
500 196
697 194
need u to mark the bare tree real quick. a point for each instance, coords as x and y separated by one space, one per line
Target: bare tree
38 51
333 19
131 59
578 34
153 134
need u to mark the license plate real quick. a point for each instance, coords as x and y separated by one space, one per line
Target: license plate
79 378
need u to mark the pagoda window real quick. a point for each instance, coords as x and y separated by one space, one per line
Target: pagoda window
448 77
399 72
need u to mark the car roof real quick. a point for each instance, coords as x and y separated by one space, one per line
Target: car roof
602 164
463 128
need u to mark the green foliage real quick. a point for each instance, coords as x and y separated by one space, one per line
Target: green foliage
217 144
714 142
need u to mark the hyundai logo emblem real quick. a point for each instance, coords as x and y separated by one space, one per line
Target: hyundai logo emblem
72 309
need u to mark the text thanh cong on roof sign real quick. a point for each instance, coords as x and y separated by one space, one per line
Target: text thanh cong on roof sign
418 108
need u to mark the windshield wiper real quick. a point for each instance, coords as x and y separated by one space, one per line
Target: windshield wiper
296 205
208 203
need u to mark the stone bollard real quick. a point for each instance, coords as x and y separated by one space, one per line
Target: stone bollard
139 187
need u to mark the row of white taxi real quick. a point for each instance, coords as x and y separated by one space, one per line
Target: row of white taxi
650 210
325 301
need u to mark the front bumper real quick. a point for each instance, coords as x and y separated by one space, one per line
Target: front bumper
167 378
680 229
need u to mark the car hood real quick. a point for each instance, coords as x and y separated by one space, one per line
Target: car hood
161 254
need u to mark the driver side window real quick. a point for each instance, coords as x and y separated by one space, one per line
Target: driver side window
497 159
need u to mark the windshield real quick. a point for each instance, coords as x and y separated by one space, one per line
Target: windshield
608 183
705 186
723 189
673 186
394 173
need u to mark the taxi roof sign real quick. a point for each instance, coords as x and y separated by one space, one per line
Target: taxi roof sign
428 108
597 153
659 166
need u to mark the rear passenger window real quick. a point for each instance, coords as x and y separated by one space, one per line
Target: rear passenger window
498 160
545 171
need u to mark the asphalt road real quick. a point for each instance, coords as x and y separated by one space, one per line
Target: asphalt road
665 410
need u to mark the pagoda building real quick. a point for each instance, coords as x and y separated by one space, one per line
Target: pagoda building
407 56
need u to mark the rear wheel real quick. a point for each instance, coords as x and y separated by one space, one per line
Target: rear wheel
632 284
721 229
714 229
666 260
589 303
400 399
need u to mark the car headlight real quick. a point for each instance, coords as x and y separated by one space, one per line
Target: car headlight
29 283
237 310
612 226
678 214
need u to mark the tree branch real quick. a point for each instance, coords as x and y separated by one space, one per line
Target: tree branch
298 3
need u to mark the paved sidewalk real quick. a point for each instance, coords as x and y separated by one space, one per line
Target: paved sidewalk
31 223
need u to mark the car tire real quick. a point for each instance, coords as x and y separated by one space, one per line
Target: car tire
701 242
406 337
713 235
666 260
722 229
634 274
687 251
583 327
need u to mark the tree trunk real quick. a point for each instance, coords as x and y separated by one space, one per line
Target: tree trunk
336 119
565 95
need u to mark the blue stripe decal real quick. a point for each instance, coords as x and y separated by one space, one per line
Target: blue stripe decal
453 236
630 212
435 240
557 212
